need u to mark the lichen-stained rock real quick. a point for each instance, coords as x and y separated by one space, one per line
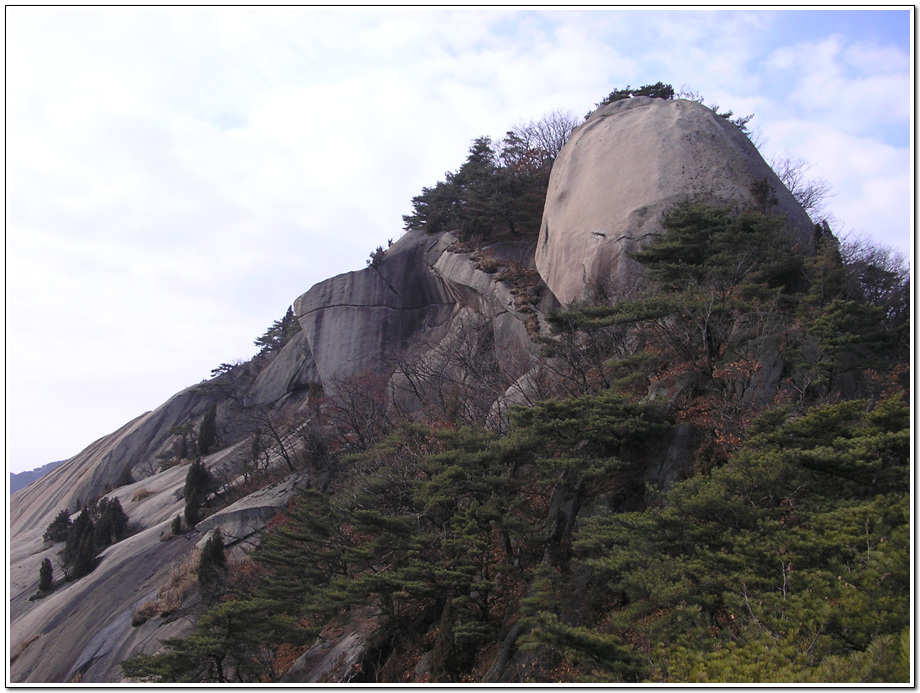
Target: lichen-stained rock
630 161
354 322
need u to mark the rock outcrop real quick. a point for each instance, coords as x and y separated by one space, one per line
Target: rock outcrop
420 298
629 162
89 474
356 322
423 303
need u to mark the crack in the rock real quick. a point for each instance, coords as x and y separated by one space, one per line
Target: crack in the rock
375 305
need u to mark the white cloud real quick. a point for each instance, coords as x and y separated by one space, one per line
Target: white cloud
870 180
858 87
179 175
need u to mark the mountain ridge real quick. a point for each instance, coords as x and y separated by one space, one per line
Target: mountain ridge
446 329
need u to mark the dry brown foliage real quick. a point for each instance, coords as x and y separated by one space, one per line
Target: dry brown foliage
182 582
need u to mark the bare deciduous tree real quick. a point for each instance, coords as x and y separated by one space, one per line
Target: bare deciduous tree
549 134
811 193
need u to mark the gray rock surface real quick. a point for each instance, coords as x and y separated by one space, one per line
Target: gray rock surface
293 369
86 476
84 627
240 522
629 162
354 322
621 169
341 652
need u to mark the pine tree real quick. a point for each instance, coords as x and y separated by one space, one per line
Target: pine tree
279 334
207 432
59 527
112 523
46 576
198 483
82 525
212 569
85 556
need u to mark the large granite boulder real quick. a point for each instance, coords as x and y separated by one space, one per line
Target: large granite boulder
629 162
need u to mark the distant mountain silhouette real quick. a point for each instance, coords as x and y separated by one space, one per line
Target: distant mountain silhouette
23 479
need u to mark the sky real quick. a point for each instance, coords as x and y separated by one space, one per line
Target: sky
176 177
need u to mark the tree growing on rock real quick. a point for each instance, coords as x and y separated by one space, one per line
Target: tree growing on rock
279 334
212 569
46 576
112 523
207 432
198 484
59 527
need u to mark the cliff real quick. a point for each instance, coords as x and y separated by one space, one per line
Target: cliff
433 330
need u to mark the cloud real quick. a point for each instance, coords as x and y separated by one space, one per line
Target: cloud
870 180
855 86
177 176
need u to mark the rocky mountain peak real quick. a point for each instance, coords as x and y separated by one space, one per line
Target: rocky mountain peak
631 160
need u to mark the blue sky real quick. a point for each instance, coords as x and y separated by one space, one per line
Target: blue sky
176 177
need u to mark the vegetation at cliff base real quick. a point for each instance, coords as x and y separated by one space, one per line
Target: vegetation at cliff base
719 492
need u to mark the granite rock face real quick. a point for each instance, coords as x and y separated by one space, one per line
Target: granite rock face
89 474
355 322
629 162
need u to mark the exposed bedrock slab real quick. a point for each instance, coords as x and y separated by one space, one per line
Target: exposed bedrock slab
86 476
627 164
293 369
355 321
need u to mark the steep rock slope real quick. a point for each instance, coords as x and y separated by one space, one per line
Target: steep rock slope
630 161
417 300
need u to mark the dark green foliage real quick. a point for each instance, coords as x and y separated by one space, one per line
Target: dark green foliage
111 523
81 526
46 576
779 554
234 642
498 190
80 547
183 446
279 334
95 528
712 248
212 569
176 526
207 432
794 552
59 527
659 90
198 485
